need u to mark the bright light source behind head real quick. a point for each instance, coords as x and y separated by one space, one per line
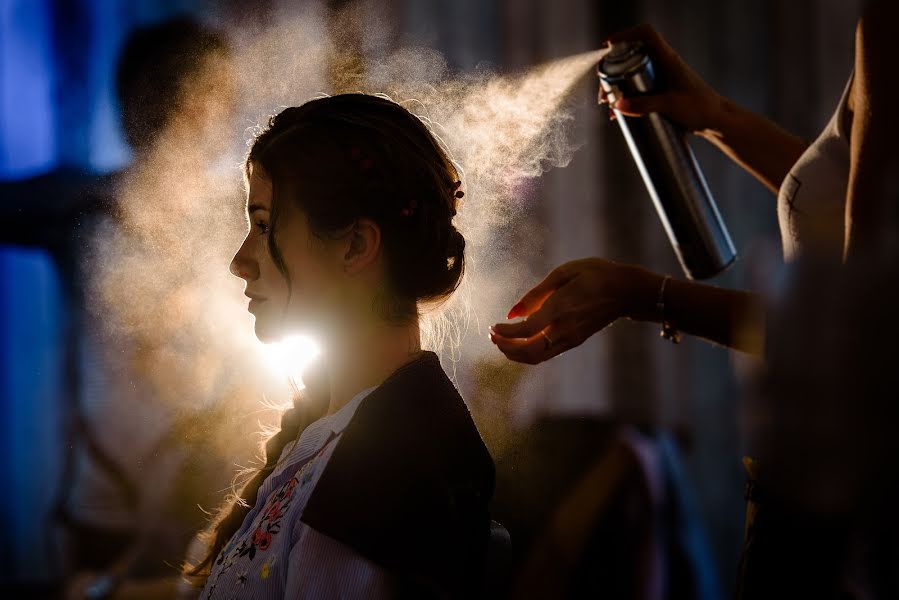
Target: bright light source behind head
290 356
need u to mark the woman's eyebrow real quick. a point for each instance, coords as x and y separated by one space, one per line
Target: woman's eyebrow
251 208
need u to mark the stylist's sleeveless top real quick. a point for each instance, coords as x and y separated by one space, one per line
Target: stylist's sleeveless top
811 203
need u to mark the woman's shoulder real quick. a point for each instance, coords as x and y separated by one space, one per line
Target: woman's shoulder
418 418
419 394
409 482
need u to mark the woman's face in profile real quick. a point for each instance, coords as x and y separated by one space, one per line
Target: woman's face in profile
309 301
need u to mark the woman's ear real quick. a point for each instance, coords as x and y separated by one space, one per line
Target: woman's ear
364 245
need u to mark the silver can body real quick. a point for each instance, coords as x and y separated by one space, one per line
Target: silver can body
669 169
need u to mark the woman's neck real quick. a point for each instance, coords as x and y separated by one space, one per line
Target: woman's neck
366 356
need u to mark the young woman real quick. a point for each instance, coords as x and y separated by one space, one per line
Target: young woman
378 482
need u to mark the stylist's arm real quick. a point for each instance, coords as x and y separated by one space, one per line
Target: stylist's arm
583 297
757 144
873 182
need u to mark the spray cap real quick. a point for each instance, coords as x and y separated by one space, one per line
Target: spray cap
623 58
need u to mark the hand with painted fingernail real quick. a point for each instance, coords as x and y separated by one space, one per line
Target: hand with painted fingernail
604 99
575 301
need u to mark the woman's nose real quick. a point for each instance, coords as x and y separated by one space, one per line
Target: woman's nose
243 266
237 271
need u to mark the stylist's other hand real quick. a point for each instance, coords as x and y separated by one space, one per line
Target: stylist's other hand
687 99
575 301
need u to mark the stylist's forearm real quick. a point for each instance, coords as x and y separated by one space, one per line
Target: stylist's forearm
730 318
757 144
874 157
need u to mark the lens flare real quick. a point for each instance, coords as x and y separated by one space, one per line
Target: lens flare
289 357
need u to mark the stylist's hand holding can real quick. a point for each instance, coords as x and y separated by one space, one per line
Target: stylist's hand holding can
687 100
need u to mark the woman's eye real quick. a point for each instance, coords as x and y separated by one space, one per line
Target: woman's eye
262 227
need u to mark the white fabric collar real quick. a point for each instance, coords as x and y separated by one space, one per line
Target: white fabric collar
319 432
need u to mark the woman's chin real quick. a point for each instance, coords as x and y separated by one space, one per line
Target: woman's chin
267 334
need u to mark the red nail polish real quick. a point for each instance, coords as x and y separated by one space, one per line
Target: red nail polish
514 311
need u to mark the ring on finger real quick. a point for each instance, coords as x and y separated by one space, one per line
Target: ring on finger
547 341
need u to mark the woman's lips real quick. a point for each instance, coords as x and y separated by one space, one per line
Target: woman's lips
255 301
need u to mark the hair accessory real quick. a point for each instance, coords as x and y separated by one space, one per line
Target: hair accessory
547 341
409 210
364 162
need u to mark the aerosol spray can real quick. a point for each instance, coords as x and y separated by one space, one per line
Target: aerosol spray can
668 166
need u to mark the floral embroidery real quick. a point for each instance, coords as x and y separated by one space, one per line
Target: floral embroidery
270 524
262 539
259 538
266 569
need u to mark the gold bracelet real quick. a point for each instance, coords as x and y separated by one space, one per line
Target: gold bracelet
668 331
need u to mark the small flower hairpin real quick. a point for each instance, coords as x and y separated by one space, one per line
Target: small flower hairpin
409 210
364 162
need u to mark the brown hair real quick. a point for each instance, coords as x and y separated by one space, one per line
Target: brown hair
355 156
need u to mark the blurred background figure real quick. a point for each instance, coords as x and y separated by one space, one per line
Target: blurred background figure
59 120
136 465
129 507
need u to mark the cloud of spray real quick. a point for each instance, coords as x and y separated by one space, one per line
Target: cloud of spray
170 308
161 271
503 130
